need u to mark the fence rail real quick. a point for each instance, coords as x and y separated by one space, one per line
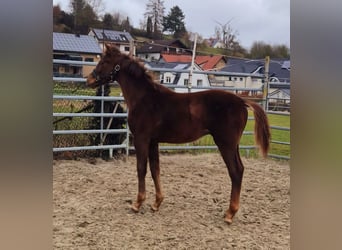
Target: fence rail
103 131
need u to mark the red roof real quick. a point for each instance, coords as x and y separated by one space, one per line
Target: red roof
205 62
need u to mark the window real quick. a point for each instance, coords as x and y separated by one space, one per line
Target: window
199 82
123 37
186 82
168 79
89 59
126 48
241 79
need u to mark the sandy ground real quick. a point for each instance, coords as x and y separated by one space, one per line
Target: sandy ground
91 202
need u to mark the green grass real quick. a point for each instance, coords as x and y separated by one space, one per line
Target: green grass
276 135
79 88
248 140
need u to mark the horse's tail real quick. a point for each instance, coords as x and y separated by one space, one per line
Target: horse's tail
261 128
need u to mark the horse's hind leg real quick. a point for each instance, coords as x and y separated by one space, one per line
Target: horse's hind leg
231 157
155 172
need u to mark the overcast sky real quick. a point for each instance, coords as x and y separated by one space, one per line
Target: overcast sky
254 20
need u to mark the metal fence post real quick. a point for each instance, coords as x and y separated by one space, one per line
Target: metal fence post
266 83
127 136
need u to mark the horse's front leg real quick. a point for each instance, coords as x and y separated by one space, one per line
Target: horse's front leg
155 172
141 149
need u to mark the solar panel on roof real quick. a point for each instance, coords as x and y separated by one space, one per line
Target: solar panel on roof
74 43
113 35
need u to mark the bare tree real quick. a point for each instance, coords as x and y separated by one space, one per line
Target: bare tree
261 49
226 34
117 18
155 10
97 6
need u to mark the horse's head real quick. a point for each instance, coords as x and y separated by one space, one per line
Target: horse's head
106 69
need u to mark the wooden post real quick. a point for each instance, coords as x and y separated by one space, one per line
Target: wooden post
192 64
131 48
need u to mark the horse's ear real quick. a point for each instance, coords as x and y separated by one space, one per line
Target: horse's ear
111 49
115 50
108 47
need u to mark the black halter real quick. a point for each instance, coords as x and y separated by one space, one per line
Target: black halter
106 78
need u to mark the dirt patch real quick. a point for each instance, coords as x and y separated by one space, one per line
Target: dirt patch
91 202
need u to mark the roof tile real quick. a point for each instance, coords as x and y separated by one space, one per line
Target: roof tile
205 62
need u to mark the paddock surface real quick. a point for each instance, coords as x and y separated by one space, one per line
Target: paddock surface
91 205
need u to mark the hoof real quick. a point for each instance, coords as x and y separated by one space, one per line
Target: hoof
228 220
157 203
135 208
154 208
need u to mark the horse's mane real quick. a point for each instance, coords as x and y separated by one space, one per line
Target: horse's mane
132 67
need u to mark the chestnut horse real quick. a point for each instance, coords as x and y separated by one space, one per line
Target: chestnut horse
158 114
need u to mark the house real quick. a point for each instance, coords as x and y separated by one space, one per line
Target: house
76 48
170 76
281 94
121 39
219 45
280 71
211 62
215 43
279 99
245 73
152 51
248 73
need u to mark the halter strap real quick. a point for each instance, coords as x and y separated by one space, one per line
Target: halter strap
109 77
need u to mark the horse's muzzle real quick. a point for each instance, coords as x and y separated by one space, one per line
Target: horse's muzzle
92 80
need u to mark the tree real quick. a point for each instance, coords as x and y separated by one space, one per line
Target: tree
108 21
57 14
155 10
126 25
84 16
76 8
97 6
227 35
149 27
238 50
117 17
174 22
260 50
281 51
62 21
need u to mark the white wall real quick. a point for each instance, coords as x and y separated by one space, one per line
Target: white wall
240 81
149 57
